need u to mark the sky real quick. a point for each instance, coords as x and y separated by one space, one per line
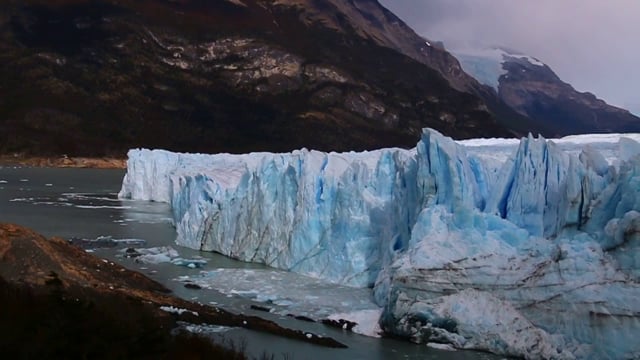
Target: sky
592 44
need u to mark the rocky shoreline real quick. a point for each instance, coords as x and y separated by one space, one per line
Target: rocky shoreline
63 162
62 274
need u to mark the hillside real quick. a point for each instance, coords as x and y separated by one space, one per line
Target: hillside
534 90
95 78
59 301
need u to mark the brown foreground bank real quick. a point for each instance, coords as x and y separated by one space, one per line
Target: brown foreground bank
63 162
58 301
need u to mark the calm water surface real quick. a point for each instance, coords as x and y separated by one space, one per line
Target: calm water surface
82 203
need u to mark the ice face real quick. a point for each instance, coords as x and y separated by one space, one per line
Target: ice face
572 292
551 246
524 248
334 216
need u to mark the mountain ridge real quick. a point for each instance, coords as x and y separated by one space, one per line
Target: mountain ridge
96 78
533 89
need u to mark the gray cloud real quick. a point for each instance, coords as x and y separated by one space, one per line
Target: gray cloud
592 44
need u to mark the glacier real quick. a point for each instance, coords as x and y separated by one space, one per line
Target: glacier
522 247
486 64
332 216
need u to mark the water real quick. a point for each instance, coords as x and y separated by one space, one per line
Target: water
82 203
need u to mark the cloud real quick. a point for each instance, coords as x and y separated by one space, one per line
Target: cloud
591 44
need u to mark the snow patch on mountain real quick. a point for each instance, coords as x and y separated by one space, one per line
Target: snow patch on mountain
486 65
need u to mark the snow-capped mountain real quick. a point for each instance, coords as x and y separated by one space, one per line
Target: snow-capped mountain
488 65
524 248
533 89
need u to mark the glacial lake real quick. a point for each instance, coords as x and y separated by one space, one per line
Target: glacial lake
83 204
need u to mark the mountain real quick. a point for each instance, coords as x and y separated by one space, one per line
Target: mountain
534 90
95 78
633 108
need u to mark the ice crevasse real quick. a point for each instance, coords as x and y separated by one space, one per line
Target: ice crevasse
523 247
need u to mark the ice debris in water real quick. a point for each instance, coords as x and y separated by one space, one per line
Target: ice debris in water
286 292
162 254
176 310
202 329
523 247
105 241
366 321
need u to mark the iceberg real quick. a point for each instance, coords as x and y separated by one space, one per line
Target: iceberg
524 248
162 254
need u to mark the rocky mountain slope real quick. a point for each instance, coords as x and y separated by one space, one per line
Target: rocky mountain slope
534 90
95 78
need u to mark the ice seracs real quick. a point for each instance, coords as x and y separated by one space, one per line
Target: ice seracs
332 216
523 248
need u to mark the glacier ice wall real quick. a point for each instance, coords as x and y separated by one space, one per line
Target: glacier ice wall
525 248
554 237
334 216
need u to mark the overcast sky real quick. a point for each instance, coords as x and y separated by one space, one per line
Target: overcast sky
592 44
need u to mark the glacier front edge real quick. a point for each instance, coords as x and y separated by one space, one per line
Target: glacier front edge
524 248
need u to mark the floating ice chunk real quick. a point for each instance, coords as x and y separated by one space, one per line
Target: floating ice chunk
366 321
101 207
90 197
22 200
176 310
163 254
153 258
204 329
190 263
156 255
105 241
